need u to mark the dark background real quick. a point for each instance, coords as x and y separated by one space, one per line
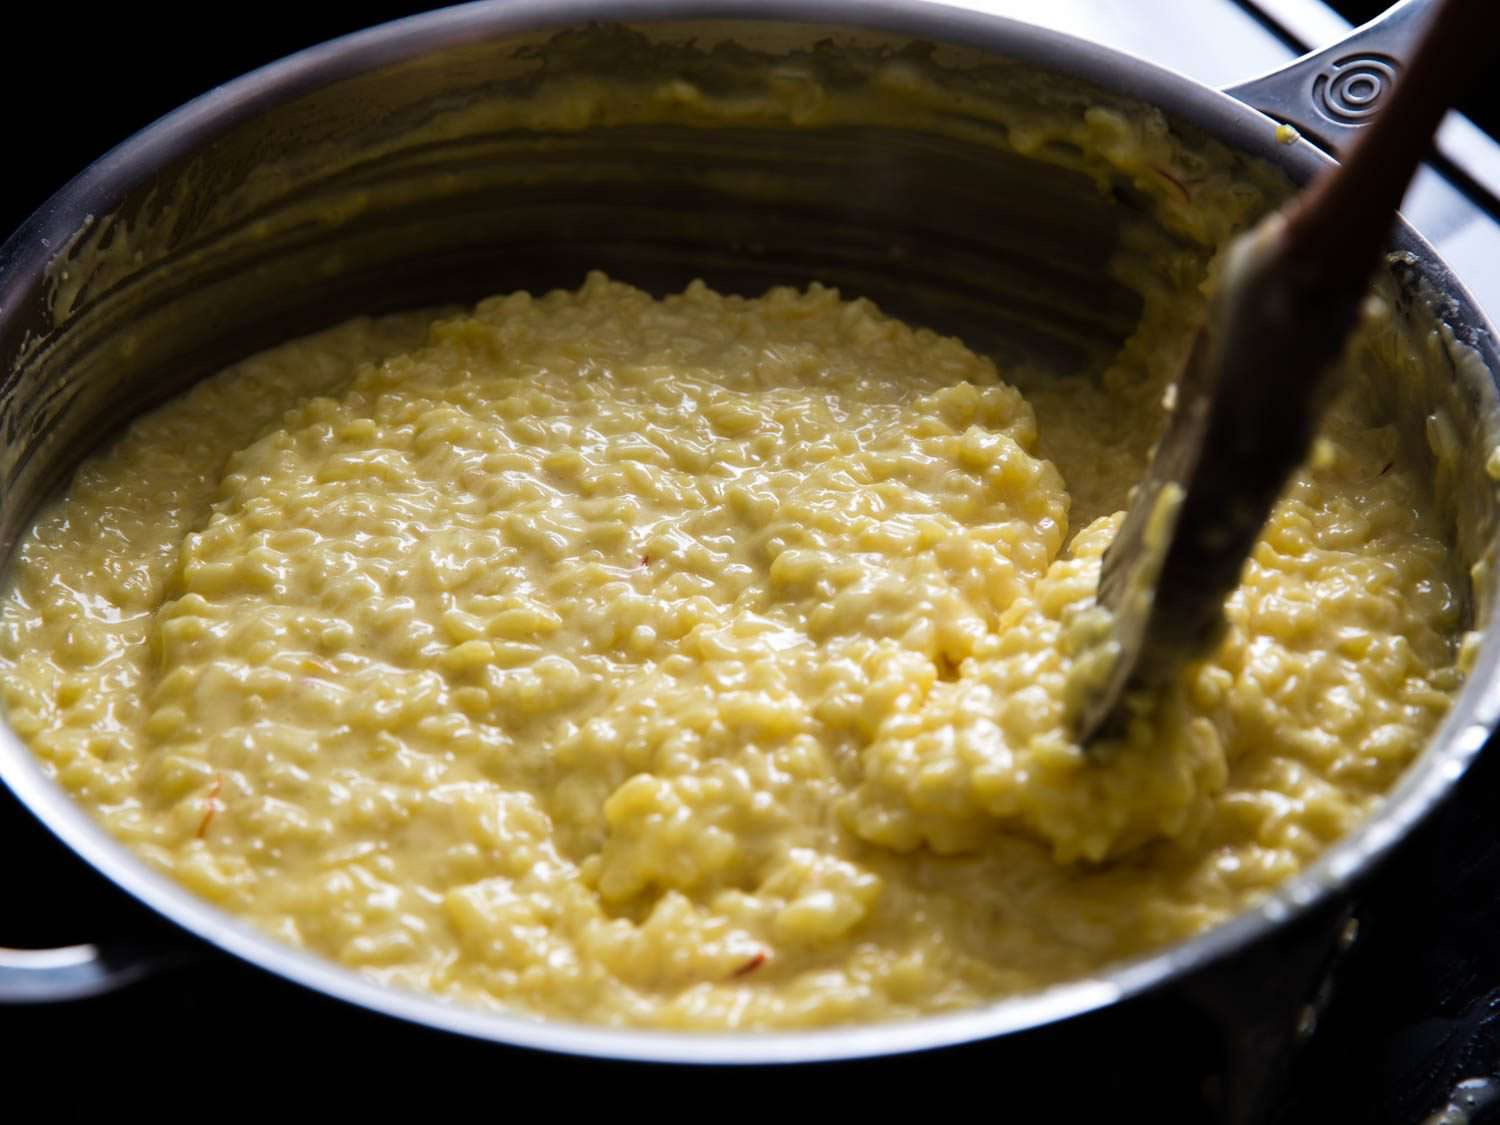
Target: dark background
1415 1009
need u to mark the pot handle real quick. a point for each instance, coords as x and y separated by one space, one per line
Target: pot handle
1330 95
43 976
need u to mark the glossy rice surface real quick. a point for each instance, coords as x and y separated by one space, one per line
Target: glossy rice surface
699 662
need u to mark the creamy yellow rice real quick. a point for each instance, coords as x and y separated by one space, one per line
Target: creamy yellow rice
698 662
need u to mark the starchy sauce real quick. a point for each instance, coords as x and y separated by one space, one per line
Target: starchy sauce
701 662
692 663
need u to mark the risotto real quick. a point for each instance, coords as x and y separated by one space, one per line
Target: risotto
699 662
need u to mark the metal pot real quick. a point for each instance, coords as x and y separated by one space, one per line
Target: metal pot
317 188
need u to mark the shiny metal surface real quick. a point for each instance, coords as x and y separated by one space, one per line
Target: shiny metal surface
58 343
49 976
1333 94
1314 23
1215 43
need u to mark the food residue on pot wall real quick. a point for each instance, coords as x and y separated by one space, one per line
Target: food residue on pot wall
699 662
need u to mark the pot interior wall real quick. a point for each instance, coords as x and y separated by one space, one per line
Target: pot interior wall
489 166
350 200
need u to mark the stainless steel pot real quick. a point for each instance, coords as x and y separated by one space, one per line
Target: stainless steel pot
318 187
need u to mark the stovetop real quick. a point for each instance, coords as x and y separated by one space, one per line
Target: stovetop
1414 1021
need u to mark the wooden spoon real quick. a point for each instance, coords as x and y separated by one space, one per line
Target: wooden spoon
1253 389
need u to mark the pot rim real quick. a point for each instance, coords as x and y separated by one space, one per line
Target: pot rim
105 183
